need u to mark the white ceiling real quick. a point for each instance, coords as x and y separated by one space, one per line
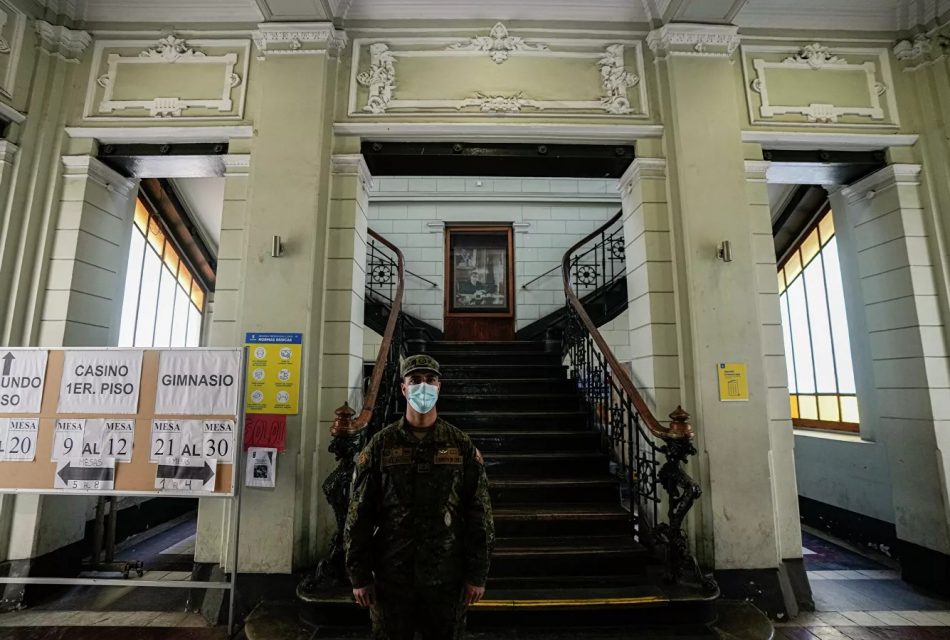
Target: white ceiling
204 200
792 14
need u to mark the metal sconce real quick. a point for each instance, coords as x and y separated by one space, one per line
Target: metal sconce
724 251
277 247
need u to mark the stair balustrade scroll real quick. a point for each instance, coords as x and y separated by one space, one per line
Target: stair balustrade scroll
631 435
385 277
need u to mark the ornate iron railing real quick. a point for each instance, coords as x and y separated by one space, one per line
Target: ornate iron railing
631 434
385 279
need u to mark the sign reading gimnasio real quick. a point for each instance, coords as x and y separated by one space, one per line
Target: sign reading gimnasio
198 382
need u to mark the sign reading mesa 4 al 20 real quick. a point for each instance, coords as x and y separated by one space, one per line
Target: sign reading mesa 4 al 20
120 421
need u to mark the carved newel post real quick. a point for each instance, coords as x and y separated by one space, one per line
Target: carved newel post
682 491
344 444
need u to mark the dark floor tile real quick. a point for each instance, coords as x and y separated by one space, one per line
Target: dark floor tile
793 633
110 633
828 633
830 557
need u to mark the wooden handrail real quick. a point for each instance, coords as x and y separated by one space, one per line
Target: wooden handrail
678 428
382 358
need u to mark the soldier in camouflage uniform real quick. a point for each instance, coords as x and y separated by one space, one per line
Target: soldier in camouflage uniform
419 530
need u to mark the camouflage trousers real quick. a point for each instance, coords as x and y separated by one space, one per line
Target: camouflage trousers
436 613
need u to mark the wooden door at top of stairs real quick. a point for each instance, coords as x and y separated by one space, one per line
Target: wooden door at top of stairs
479 283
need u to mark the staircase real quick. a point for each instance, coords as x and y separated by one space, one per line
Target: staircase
565 542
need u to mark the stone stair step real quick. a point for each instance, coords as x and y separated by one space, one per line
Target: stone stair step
562 520
495 357
561 463
461 401
513 490
496 371
513 420
517 386
536 440
490 345
571 555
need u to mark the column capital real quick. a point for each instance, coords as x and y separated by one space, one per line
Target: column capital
236 164
94 169
687 39
890 176
757 169
641 168
352 164
299 38
66 44
923 50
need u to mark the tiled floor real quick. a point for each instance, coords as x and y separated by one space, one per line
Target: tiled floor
860 598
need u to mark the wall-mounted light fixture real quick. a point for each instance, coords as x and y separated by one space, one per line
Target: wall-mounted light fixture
277 247
724 251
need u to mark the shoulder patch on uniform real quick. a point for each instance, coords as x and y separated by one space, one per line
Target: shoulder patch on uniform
363 458
478 457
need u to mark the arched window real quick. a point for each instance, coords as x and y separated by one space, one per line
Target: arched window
817 344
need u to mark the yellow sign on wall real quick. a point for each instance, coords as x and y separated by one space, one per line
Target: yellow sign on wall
733 381
273 372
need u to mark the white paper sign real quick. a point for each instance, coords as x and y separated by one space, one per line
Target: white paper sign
198 382
261 470
22 376
119 436
68 439
85 474
100 382
219 440
166 439
183 473
20 439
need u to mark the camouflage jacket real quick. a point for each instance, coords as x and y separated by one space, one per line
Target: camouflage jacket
420 513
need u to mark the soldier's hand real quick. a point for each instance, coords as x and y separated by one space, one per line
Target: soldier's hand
473 594
365 596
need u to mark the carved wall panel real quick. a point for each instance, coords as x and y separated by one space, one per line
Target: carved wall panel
168 78
498 72
12 28
817 85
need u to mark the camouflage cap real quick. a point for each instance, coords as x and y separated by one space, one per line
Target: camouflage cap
419 362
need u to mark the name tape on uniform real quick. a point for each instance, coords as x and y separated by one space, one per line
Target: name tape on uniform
100 382
22 376
202 382
209 439
18 439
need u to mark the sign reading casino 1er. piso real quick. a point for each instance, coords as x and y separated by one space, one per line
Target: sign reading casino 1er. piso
100 382
273 372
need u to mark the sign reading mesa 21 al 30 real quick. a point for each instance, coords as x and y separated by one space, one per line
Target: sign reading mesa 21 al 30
22 376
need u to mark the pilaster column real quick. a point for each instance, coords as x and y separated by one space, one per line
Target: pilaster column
718 318
883 226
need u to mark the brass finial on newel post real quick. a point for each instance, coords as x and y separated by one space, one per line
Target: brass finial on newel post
343 424
679 424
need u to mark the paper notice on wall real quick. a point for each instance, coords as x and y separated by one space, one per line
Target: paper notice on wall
261 468
68 439
218 440
85 474
263 430
18 439
182 473
120 435
22 376
100 382
198 382
165 439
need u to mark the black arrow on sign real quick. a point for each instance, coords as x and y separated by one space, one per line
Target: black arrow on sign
170 471
7 361
69 472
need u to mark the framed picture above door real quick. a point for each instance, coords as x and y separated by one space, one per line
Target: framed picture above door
479 278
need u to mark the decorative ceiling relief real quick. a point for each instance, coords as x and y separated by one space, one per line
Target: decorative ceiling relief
924 50
497 44
498 74
192 79
818 85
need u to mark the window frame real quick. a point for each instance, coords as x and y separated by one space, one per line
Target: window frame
153 214
796 250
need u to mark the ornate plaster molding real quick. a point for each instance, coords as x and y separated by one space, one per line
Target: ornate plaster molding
380 78
498 44
925 49
236 164
352 164
757 170
67 44
170 49
815 56
703 40
95 170
616 80
298 38
500 104
8 151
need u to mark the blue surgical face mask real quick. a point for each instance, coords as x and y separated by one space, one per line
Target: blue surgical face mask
422 396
